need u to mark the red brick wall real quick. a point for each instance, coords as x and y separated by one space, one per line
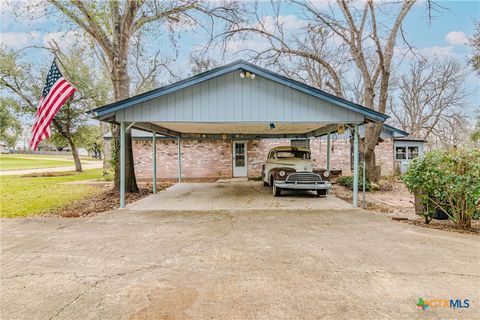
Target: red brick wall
213 158
200 159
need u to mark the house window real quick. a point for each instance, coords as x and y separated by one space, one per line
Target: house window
412 152
401 153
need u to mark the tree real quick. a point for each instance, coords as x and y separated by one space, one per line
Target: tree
90 137
112 26
475 43
26 82
358 36
10 127
475 136
199 64
431 98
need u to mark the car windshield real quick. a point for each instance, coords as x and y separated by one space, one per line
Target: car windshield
293 154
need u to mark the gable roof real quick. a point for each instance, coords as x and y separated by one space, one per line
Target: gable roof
396 130
370 114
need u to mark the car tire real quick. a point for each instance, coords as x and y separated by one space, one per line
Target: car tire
277 192
321 192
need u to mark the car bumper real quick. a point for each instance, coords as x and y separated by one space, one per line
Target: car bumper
303 186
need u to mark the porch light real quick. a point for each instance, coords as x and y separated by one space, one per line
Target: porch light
247 74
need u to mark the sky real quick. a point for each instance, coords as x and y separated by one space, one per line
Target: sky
446 35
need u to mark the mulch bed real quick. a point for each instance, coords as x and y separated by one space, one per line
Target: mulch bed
104 201
447 226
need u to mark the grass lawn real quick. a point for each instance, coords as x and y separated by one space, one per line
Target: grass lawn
19 162
26 196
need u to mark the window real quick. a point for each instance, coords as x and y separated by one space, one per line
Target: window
412 152
401 153
293 154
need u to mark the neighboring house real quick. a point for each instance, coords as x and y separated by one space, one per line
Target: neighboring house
407 149
213 158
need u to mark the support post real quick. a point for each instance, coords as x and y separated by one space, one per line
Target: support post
364 203
122 164
154 161
355 166
328 153
179 160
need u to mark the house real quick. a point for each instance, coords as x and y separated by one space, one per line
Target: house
221 124
393 153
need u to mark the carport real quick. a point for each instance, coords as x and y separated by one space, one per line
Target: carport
237 102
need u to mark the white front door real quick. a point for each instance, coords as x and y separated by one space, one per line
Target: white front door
239 158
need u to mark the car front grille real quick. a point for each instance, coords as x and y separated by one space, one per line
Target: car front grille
303 177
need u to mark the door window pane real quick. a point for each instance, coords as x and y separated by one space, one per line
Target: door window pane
239 154
239 161
412 152
401 153
239 148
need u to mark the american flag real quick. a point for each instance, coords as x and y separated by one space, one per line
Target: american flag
56 91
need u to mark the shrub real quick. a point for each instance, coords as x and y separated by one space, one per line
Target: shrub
347 181
448 181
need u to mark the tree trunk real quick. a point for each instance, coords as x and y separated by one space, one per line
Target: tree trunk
121 91
372 134
105 129
76 158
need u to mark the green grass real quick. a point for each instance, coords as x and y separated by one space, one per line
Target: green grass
19 162
27 196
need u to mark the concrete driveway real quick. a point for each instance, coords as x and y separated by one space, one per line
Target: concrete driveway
264 264
233 194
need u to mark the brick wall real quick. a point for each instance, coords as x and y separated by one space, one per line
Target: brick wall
200 159
213 158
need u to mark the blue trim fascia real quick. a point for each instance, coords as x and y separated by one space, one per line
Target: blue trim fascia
393 129
238 65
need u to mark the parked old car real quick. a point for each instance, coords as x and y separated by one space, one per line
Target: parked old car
292 168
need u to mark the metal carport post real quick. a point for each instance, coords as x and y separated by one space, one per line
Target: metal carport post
122 164
154 162
355 166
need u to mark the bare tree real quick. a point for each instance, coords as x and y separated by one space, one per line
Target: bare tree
431 98
112 25
360 38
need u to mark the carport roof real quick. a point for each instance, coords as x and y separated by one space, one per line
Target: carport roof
103 112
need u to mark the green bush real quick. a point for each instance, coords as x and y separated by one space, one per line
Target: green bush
448 181
347 181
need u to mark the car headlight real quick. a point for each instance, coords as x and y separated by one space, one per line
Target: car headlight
326 174
282 173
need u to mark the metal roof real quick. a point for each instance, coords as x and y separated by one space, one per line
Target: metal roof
396 130
370 114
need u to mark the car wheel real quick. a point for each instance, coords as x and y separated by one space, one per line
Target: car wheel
277 192
321 192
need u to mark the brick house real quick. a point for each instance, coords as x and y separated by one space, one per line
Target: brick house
212 159
221 123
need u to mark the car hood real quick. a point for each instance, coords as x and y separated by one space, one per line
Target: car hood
294 163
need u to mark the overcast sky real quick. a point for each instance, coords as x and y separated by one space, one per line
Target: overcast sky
446 35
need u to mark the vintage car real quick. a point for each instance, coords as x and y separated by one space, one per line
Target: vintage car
292 168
